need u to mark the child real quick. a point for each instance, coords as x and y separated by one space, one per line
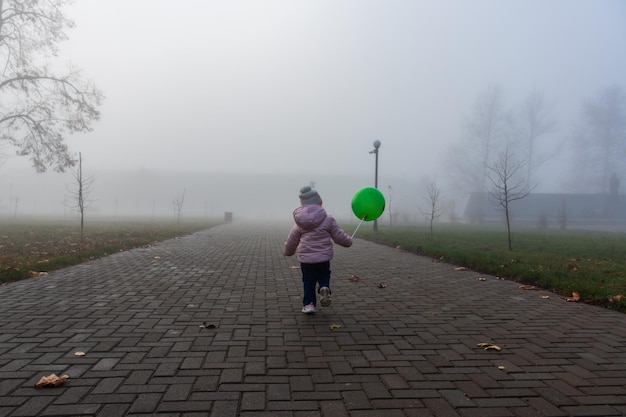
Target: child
312 238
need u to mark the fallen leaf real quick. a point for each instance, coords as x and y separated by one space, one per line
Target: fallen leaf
545 297
575 297
489 346
481 279
460 268
529 287
572 267
334 326
294 267
353 278
51 380
502 368
493 347
79 354
381 285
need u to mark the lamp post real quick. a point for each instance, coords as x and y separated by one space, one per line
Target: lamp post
375 152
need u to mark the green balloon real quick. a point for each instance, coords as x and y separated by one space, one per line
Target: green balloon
368 204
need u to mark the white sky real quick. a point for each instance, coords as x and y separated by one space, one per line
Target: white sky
306 86
266 85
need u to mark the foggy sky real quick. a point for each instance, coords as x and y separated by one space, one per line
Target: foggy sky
303 88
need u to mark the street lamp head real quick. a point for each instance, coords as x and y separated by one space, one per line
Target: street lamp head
376 144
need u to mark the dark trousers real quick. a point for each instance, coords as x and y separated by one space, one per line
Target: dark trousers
313 275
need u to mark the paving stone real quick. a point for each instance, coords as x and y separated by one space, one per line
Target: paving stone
113 410
253 401
145 403
224 409
33 406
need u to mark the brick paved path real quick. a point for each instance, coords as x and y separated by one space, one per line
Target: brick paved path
409 349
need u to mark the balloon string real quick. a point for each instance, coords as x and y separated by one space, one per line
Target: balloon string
357 228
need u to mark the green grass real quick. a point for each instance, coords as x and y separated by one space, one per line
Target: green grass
593 264
29 248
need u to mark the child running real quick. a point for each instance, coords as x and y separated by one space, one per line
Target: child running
312 239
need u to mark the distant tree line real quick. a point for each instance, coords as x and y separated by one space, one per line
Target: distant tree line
595 146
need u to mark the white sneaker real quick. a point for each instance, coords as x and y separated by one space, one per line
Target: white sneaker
308 309
325 293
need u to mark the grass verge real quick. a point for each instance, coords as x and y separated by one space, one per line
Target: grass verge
587 264
36 247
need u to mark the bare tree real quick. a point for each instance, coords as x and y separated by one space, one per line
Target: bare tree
485 133
83 187
178 205
599 141
533 122
38 106
507 186
435 207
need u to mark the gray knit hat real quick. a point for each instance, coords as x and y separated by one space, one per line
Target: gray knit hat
309 195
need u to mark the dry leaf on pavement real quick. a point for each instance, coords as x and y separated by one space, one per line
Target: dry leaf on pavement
489 346
51 380
529 287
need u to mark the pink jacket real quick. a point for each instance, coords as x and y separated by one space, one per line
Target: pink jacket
313 235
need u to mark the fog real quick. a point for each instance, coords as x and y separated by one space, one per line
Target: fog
239 103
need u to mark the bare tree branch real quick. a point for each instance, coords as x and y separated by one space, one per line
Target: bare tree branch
534 121
507 186
178 205
37 107
80 194
435 208
599 141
